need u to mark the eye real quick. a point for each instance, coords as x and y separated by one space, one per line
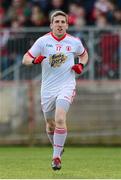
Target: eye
63 22
57 21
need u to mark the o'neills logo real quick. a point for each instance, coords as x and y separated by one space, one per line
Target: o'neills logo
56 60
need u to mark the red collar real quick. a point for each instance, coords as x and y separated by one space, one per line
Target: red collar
56 38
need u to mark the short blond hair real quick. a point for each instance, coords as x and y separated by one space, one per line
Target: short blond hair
57 13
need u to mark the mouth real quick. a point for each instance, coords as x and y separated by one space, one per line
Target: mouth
60 30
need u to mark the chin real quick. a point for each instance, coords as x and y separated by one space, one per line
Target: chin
61 34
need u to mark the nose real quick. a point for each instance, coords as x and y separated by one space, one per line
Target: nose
60 24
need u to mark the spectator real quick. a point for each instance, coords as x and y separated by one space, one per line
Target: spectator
79 23
27 21
88 6
44 4
37 16
15 43
15 10
58 5
76 11
101 21
2 16
103 8
88 10
4 36
117 16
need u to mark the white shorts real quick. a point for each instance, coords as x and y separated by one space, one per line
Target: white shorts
49 99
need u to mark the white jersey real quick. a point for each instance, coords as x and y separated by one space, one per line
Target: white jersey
60 54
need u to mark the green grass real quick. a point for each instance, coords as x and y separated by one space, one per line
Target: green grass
78 162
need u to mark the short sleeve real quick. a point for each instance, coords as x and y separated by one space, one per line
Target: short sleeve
80 48
36 48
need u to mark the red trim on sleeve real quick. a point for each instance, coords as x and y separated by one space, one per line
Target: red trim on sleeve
30 55
83 52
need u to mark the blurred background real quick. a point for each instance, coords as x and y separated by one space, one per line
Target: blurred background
95 115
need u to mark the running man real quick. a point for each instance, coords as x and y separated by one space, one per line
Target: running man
56 52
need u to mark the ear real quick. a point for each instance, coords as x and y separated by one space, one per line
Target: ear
51 26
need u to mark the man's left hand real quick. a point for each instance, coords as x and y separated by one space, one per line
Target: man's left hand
78 68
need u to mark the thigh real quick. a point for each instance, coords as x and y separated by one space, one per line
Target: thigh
48 102
67 94
62 104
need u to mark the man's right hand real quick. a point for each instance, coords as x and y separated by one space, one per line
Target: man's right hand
38 59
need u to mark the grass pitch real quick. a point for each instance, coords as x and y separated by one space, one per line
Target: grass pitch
77 162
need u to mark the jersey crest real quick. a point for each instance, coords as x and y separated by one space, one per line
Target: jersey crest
56 60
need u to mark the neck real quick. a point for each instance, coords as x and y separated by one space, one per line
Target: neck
58 36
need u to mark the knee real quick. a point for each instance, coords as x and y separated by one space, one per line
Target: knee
60 117
59 122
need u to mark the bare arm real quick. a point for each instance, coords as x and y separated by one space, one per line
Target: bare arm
27 60
83 59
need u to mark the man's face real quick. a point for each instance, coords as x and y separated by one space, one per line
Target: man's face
59 26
